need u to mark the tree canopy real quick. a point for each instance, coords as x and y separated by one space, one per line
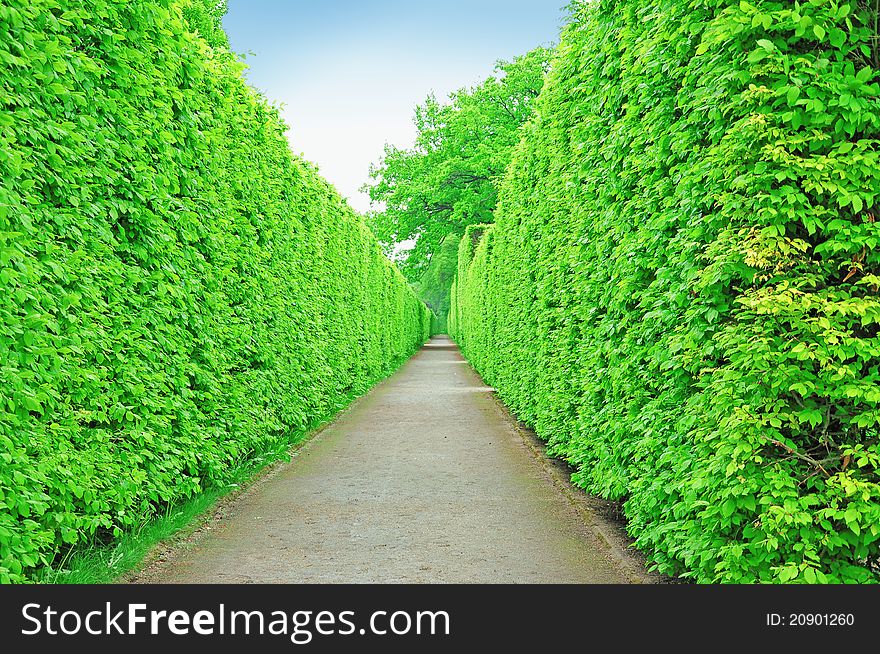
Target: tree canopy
449 179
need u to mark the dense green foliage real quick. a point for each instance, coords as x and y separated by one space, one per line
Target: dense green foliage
449 179
434 284
179 294
680 291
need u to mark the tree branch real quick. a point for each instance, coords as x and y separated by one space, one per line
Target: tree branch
803 457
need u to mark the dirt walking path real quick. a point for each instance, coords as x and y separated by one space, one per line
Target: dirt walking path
425 479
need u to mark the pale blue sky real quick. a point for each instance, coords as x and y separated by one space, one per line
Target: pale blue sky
350 73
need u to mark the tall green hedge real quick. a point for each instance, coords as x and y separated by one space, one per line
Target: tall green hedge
178 292
681 289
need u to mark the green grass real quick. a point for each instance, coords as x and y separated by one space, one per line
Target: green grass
105 563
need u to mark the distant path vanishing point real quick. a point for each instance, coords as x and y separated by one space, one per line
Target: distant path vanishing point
425 479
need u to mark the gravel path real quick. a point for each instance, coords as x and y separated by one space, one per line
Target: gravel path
425 479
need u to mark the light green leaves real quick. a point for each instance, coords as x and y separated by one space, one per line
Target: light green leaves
728 507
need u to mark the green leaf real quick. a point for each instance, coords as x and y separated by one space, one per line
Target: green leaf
788 573
865 74
728 507
857 204
851 516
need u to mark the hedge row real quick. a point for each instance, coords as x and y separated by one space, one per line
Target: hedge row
179 294
680 292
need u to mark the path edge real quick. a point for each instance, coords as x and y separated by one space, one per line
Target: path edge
226 504
611 535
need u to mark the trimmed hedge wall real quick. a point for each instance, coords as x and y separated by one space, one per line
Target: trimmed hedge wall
179 294
680 292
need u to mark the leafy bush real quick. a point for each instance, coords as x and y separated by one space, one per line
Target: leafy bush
179 294
680 292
